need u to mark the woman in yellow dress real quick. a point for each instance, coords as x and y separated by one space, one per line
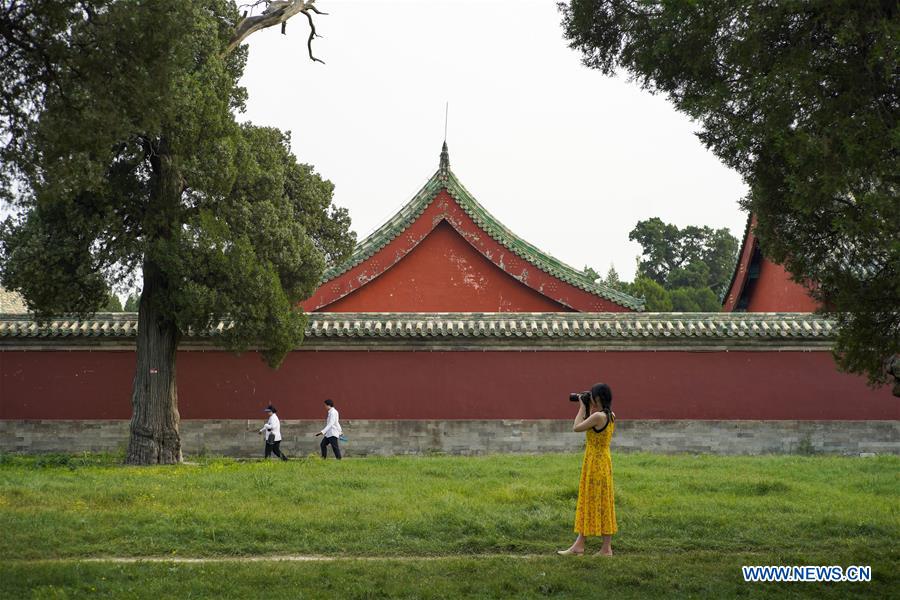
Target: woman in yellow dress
595 514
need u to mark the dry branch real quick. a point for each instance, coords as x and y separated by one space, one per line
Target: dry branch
277 12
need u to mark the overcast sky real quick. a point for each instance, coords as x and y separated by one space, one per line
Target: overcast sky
567 158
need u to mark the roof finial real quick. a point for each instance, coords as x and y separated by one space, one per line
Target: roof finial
445 158
445 154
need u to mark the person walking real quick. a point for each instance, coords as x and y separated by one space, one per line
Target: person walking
595 513
272 431
332 431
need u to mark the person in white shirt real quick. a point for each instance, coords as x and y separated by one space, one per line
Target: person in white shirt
272 431
331 432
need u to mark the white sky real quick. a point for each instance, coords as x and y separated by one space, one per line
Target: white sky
567 158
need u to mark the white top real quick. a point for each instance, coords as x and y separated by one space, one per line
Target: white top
273 425
332 426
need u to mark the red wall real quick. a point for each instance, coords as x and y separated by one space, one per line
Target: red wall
444 209
449 385
774 291
442 273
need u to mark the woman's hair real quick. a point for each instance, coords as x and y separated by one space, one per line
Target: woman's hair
603 394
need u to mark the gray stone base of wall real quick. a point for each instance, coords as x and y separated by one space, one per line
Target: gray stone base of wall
365 438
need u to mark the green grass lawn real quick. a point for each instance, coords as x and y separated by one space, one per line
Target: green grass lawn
686 525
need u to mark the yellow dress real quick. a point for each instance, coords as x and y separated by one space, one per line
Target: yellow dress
596 511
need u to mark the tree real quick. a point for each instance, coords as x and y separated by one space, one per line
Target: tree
693 256
612 279
695 275
691 266
122 155
694 299
800 99
656 297
131 302
113 304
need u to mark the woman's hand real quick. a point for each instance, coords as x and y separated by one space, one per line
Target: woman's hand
580 416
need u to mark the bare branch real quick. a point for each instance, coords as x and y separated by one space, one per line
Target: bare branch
252 5
312 34
276 12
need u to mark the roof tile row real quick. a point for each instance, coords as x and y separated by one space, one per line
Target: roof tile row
472 325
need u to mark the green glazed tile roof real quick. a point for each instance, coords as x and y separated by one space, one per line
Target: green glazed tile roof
586 326
445 179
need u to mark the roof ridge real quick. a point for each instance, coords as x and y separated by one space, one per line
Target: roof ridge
444 178
391 228
534 255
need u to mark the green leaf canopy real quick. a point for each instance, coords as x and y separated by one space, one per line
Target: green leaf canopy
122 153
801 99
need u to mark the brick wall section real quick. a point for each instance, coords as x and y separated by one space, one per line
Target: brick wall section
236 437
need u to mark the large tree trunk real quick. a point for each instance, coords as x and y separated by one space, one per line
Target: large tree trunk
154 398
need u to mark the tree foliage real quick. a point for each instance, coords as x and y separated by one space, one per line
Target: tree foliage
131 302
656 298
115 88
122 157
690 257
694 299
674 271
113 304
801 99
689 267
612 277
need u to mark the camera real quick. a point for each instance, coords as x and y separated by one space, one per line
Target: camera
582 396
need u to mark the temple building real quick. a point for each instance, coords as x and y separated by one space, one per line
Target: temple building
760 285
443 252
446 332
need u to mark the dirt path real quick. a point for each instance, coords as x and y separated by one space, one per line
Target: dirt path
273 558
325 558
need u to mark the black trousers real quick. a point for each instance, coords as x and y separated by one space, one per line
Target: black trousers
334 446
274 448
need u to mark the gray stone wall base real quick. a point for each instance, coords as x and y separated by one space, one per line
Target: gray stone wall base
232 437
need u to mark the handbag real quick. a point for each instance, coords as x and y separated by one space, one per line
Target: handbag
270 439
